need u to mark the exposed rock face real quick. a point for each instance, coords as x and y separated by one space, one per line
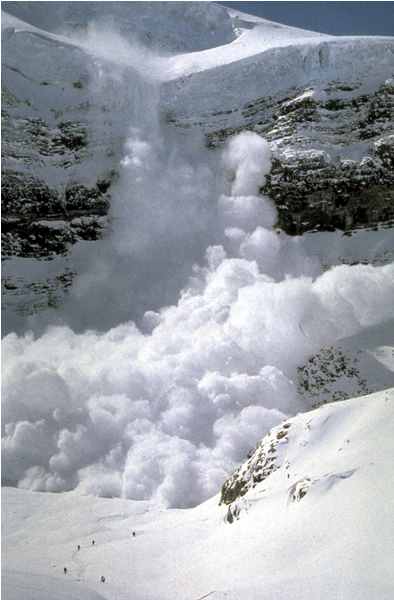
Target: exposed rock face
313 184
331 133
38 222
322 189
45 149
263 462
333 152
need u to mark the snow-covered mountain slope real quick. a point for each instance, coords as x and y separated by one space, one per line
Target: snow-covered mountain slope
20 586
174 28
301 89
207 323
198 250
71 91
308 516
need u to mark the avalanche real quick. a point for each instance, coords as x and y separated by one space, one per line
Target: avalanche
318 526
194 326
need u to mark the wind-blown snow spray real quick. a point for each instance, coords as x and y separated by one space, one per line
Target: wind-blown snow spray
206 312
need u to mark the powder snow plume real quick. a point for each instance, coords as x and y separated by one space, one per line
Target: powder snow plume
203 312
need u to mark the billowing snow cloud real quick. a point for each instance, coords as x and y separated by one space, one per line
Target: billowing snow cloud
168 408
170 414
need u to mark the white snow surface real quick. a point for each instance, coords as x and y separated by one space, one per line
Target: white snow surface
237 36
333 542
159 412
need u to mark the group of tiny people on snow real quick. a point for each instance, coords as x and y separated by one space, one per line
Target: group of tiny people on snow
102 579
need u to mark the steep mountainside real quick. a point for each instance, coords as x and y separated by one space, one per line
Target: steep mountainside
328 121
197 255
326 435
324 104
205 175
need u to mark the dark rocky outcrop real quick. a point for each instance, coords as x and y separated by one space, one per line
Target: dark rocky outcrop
333 154
263 462
38 221
62 137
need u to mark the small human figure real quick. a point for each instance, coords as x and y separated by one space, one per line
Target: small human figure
65 570
92 542
102 579
79 547
133 533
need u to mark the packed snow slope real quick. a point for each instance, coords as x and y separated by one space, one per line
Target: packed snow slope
318 524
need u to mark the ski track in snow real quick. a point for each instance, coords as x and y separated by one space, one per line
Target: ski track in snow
81 568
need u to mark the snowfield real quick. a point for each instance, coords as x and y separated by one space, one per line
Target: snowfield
319 526
143 365
18 586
